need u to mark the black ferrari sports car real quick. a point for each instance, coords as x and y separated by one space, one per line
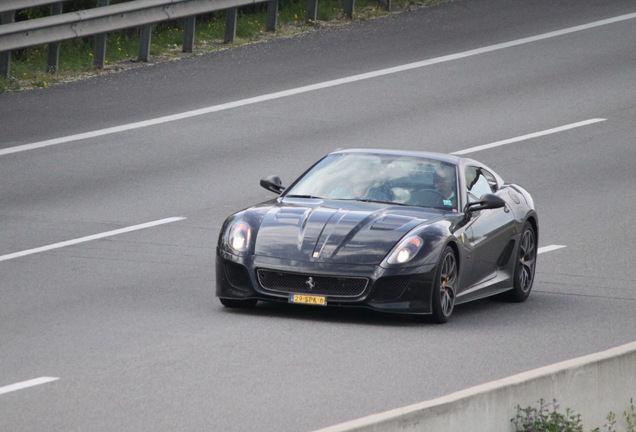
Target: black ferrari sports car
394 231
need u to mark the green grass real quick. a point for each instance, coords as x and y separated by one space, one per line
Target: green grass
28 66
548 418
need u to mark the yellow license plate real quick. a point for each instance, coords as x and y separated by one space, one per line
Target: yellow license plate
307 299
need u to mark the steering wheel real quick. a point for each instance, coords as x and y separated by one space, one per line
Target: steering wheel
380 193
427 198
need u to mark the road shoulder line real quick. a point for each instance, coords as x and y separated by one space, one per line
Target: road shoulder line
529 136
26 384
89 238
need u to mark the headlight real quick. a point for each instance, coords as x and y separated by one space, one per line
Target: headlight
238 236
406 250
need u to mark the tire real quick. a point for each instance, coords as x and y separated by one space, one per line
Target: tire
242 304
445 287
526 263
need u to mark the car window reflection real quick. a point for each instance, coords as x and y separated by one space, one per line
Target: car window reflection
379 178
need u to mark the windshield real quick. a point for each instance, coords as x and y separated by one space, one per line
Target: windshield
404 180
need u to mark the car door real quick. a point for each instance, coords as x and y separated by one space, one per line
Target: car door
490 231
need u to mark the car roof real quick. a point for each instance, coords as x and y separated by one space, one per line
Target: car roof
461 162
455 160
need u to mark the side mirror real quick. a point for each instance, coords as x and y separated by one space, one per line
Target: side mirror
273 184
487 201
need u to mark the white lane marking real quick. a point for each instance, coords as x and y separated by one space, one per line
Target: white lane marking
26 384
317 86
89 238
549 248
530 136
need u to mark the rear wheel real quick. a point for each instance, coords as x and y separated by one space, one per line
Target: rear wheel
233 303
525 265
445 286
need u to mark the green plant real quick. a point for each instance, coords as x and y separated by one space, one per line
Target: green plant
630 420
546 418
630 417
609 426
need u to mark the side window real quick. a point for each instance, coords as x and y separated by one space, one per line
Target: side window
479 182
492 181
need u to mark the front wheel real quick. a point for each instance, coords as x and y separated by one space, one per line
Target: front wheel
445 286
233 303
525 266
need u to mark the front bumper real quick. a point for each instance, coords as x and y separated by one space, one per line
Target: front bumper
395 289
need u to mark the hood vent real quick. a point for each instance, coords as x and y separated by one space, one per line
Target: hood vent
391 222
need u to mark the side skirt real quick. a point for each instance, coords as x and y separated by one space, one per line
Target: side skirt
500 283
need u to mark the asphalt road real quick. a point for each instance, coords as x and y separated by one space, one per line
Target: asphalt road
129 324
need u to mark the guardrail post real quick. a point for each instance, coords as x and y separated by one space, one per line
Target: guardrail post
230 24
188 34
99 56
387 4
272 16
5 56
145 36
126 14
312 11
348 8
53 60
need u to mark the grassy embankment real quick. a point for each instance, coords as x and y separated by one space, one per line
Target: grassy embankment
28 66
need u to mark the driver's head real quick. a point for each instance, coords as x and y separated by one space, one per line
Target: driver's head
444 179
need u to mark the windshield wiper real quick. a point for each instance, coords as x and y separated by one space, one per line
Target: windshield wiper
380 202
302 196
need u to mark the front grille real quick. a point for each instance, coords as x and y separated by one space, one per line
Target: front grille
390 288
311 284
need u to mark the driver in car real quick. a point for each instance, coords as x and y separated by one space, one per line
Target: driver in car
444 182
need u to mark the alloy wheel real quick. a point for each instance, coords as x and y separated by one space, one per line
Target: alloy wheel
527 260
447 284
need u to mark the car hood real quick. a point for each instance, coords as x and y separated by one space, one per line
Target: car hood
347 232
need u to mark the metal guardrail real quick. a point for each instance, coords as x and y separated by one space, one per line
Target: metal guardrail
105 18
13 5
